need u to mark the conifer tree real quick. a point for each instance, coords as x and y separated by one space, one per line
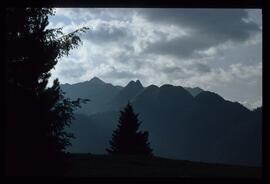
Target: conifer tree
36 114
126 139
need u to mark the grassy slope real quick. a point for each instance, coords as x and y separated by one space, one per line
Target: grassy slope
87 165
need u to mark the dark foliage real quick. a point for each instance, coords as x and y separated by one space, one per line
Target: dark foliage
125 139
36 114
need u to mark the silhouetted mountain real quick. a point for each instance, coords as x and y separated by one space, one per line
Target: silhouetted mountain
92 132
149 92
126 94
258 110
207 97
105 96
194 91
204 128
99 93
96 81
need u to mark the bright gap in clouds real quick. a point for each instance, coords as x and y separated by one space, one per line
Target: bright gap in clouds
219 50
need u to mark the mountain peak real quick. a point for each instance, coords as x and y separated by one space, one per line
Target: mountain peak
168 91
138 82
194 91
96 80
133 83
197 88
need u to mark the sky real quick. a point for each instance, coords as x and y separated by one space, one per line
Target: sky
218 50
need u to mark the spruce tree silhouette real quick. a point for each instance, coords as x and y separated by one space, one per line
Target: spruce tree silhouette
125 139
35 114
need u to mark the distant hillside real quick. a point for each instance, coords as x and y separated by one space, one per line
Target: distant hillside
105 96
126 94
87 165
203 127
99 93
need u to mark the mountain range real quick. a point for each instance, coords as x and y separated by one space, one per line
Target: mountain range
183 123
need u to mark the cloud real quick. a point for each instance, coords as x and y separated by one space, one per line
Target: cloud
238 82
172 70
180 47
206 29
215 49
107 31
114 73
72 72
202 68
221 23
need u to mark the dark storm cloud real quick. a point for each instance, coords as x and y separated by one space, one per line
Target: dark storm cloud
135 61
216 22
73 72
178 72
172 70
182 47
208 28
175 72
114 73
202 68
105 33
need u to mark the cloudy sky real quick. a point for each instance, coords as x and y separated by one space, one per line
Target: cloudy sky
219 50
